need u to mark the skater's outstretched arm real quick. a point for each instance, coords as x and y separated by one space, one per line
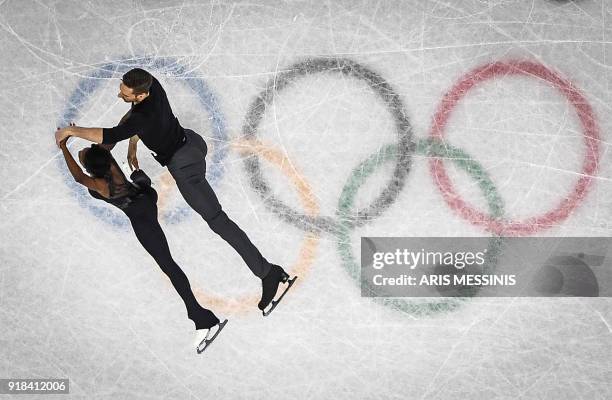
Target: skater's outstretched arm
133 125
110 146
99 185
91 134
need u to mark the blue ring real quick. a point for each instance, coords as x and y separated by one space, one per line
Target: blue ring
169 66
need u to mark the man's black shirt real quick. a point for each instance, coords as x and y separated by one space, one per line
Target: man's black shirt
154 123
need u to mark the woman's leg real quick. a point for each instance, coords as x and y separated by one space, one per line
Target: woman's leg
151 236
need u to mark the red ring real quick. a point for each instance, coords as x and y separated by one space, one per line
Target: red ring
589 166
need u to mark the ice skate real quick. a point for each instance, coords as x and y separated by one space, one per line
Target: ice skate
270 284
205 337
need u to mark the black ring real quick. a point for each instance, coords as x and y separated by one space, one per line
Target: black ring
395 106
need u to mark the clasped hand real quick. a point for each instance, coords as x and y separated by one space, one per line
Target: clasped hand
62 134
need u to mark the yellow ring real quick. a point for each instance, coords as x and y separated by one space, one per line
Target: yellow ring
244 304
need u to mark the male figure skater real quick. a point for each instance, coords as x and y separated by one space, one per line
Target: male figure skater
151 120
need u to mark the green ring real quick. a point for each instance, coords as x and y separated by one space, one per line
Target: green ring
427 148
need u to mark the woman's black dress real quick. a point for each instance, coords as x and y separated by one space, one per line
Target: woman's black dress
138 201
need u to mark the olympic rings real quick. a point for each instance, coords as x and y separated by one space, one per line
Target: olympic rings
395 106
167 65
400 153
311 240
428 148
589 166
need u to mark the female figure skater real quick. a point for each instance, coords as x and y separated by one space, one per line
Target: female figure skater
138 201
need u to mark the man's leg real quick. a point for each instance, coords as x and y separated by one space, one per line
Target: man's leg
188 168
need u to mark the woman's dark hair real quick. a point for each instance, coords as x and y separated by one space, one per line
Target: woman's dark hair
138 80
97 161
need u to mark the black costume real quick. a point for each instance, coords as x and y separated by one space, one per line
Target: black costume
184 151
139 202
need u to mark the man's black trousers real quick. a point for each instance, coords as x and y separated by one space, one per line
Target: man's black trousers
188 167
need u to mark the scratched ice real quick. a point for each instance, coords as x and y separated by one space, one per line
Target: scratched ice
80 299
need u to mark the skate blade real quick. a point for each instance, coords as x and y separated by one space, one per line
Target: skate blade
208 342
274 303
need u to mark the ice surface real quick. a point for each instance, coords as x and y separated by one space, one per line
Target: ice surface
79 298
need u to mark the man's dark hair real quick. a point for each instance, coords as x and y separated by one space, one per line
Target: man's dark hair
138 80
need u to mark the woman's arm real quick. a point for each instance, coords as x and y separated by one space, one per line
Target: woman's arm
91 183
